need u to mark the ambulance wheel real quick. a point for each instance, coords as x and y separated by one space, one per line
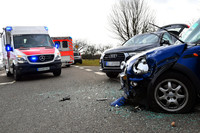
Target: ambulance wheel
67 65
16 74
57 72
8 74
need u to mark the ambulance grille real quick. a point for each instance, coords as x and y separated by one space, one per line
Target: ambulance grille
41 58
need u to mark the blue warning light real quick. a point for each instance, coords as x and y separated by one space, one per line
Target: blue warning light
46 28
33 58
57 45
8 47
8 28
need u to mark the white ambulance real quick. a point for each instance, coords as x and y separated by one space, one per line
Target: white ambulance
29 49
65 46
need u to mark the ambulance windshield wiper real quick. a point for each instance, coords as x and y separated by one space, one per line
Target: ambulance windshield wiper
168 32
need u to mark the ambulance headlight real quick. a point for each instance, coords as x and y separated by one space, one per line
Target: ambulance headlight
141 66
58 56
21 59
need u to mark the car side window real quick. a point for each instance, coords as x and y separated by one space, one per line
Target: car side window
167 37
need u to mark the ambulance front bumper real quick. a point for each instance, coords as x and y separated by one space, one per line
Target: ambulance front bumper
26 68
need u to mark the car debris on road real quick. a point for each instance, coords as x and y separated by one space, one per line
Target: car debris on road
65 98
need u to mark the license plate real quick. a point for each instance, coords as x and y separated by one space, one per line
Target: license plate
43 68
116 63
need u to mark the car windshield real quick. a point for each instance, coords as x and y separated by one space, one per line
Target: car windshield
192 36
142 40
32 40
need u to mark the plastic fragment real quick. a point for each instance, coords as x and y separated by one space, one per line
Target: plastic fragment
101 99
65 98
119 102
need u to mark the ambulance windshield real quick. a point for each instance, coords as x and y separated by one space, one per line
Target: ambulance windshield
32 40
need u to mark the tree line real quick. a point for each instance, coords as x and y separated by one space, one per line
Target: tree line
89 50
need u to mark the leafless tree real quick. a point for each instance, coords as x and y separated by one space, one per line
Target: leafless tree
131 17
81 44
102 48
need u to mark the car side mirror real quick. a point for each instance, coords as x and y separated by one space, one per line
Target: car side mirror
8 48
165 42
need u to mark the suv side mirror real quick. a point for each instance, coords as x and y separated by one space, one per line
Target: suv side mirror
166 42
8 48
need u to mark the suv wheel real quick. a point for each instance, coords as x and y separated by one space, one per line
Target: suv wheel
173 93
112 74
57 72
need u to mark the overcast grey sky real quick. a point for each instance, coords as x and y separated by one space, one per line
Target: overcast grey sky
87 19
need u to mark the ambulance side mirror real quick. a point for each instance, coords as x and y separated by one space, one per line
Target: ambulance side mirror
8 48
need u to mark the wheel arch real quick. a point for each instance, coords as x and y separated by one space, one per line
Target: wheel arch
177 68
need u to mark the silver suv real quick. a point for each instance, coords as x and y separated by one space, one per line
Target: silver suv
77 57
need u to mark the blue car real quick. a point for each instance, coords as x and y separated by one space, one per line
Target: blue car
166 78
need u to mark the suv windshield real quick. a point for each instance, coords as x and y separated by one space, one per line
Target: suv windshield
193 34
142 39
29 41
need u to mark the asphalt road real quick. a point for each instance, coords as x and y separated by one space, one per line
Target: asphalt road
33 105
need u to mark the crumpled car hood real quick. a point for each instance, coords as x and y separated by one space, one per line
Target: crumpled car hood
128 49
159 56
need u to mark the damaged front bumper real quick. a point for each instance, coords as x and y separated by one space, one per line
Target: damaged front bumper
134 88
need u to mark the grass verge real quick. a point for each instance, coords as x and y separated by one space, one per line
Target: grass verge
89 62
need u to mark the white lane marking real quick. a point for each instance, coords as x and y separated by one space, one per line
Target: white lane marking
3 74
7 83
76 66
81 67
99 73
89 70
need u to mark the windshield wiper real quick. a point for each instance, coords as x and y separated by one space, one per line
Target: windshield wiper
168 32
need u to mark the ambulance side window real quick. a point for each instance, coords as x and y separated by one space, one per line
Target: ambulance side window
65 44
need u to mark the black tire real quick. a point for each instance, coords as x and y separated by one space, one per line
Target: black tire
173 93
67 65
57 72
112 74
16 74
81 62
8 74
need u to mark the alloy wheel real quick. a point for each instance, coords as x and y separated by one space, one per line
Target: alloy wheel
171 95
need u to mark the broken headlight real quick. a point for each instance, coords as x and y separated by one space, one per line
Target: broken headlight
123 65
141 66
